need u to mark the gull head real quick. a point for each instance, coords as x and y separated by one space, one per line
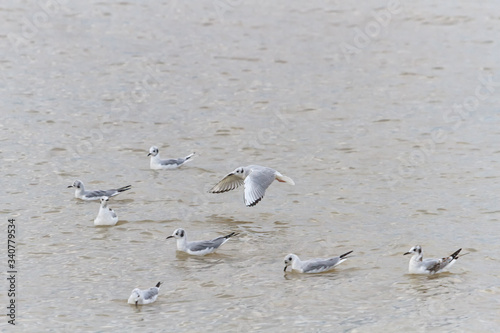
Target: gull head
153 151
104 201
134 297
417 249
178 234
240 172
289 259
77 184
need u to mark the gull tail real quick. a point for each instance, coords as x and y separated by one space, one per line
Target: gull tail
455 254
124 188
284 179
158 284
342 256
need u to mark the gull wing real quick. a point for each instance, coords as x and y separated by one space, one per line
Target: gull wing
150 293
205 245
228 183
256 184
321 265
101 193
437 265
214 243
171 161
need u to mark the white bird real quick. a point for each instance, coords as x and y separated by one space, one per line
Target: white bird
106 215
313 265
199 248
418 265
144 296
256 179
80 192
157 163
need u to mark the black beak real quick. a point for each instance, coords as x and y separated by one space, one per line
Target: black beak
169 237
406 253
70 186
149 154
284 270
136 303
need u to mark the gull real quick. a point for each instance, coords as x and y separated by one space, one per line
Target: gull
144 296
106 215
157 163
256 180
199 248
418 265
313 265
80 192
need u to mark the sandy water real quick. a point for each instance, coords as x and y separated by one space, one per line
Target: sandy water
391 136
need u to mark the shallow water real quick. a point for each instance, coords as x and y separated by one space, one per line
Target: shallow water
381 159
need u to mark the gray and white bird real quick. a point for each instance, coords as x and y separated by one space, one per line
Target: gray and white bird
157 163
418 265
313 265
106 215
80 192
199 248
256 180
140 297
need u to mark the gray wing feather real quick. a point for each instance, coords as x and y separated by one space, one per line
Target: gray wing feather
150 293
436 265
177 161
256 184
202 245
107 193
321 264
228 183
214 243
101 193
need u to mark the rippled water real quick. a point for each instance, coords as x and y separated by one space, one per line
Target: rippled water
385 115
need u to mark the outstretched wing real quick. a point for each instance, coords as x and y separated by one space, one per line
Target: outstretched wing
228 183
256 184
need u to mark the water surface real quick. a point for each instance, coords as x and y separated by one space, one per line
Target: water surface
381 159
